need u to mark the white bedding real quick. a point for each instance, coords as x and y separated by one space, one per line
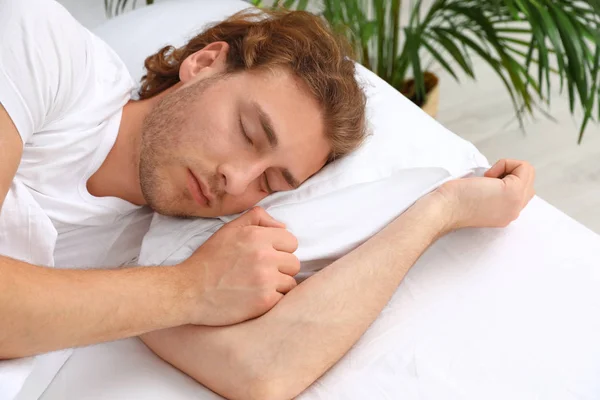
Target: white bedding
485 314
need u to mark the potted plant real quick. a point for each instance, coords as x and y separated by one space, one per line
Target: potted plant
523 41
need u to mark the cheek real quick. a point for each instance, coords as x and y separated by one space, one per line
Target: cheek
215 129
237 204
211 142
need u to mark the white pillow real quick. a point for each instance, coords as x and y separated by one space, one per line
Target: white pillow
407 155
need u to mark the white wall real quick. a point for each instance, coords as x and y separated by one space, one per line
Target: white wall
89 12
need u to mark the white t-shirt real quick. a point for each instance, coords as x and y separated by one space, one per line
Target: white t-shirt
64 89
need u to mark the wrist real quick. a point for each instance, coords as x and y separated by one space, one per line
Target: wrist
176 283
444 210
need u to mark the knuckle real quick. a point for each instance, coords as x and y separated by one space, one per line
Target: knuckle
257 210
513 198
251 234
266 300
294 242
292 283
513 215
296 265
261 255
516 204
262 278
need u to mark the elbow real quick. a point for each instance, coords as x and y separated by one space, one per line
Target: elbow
262 378
229 366
257 381
265 383
244 386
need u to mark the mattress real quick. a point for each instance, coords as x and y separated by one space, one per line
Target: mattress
508 313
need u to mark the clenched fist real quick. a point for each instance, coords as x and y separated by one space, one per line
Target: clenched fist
242 271
494 200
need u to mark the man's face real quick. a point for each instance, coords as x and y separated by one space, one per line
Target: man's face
219 145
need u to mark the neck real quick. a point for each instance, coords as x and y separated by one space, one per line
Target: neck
118 176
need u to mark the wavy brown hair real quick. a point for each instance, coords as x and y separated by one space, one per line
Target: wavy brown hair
296 40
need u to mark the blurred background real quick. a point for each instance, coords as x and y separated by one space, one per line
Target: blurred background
489 70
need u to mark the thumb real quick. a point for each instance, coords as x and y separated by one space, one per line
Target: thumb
497 170
257 216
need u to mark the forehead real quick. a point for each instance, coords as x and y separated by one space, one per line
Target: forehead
296 117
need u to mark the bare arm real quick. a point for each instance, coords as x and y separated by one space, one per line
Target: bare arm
281 353
45 309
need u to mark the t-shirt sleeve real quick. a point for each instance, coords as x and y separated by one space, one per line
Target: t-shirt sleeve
43 59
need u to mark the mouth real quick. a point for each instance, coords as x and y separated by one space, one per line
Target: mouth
198 190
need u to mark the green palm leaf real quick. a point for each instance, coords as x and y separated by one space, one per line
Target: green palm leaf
523 41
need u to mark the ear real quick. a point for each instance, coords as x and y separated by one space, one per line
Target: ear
211 60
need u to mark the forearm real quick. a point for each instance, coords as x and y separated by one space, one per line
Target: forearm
284 351
44 309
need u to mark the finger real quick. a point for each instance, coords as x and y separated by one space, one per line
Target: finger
531 187
274 298
508 170
287 263
506 166
282 239
531 191
522 170
266 220
286 284
256 216
520 178
497 170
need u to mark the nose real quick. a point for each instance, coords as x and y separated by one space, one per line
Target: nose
237 177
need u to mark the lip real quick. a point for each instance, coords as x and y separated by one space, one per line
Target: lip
205 191
195 188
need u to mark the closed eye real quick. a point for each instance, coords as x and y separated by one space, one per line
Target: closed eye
243 130
267 186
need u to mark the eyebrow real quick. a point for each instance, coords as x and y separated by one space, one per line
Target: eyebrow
289 178
267 125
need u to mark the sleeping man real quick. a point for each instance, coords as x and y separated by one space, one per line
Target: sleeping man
249 107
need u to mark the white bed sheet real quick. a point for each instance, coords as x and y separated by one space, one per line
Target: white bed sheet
485 314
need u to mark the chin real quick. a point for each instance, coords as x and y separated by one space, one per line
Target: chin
204 212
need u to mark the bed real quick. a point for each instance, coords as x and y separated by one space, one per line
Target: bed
484 314
494 314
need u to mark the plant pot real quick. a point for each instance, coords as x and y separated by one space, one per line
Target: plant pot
432 103
432 98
